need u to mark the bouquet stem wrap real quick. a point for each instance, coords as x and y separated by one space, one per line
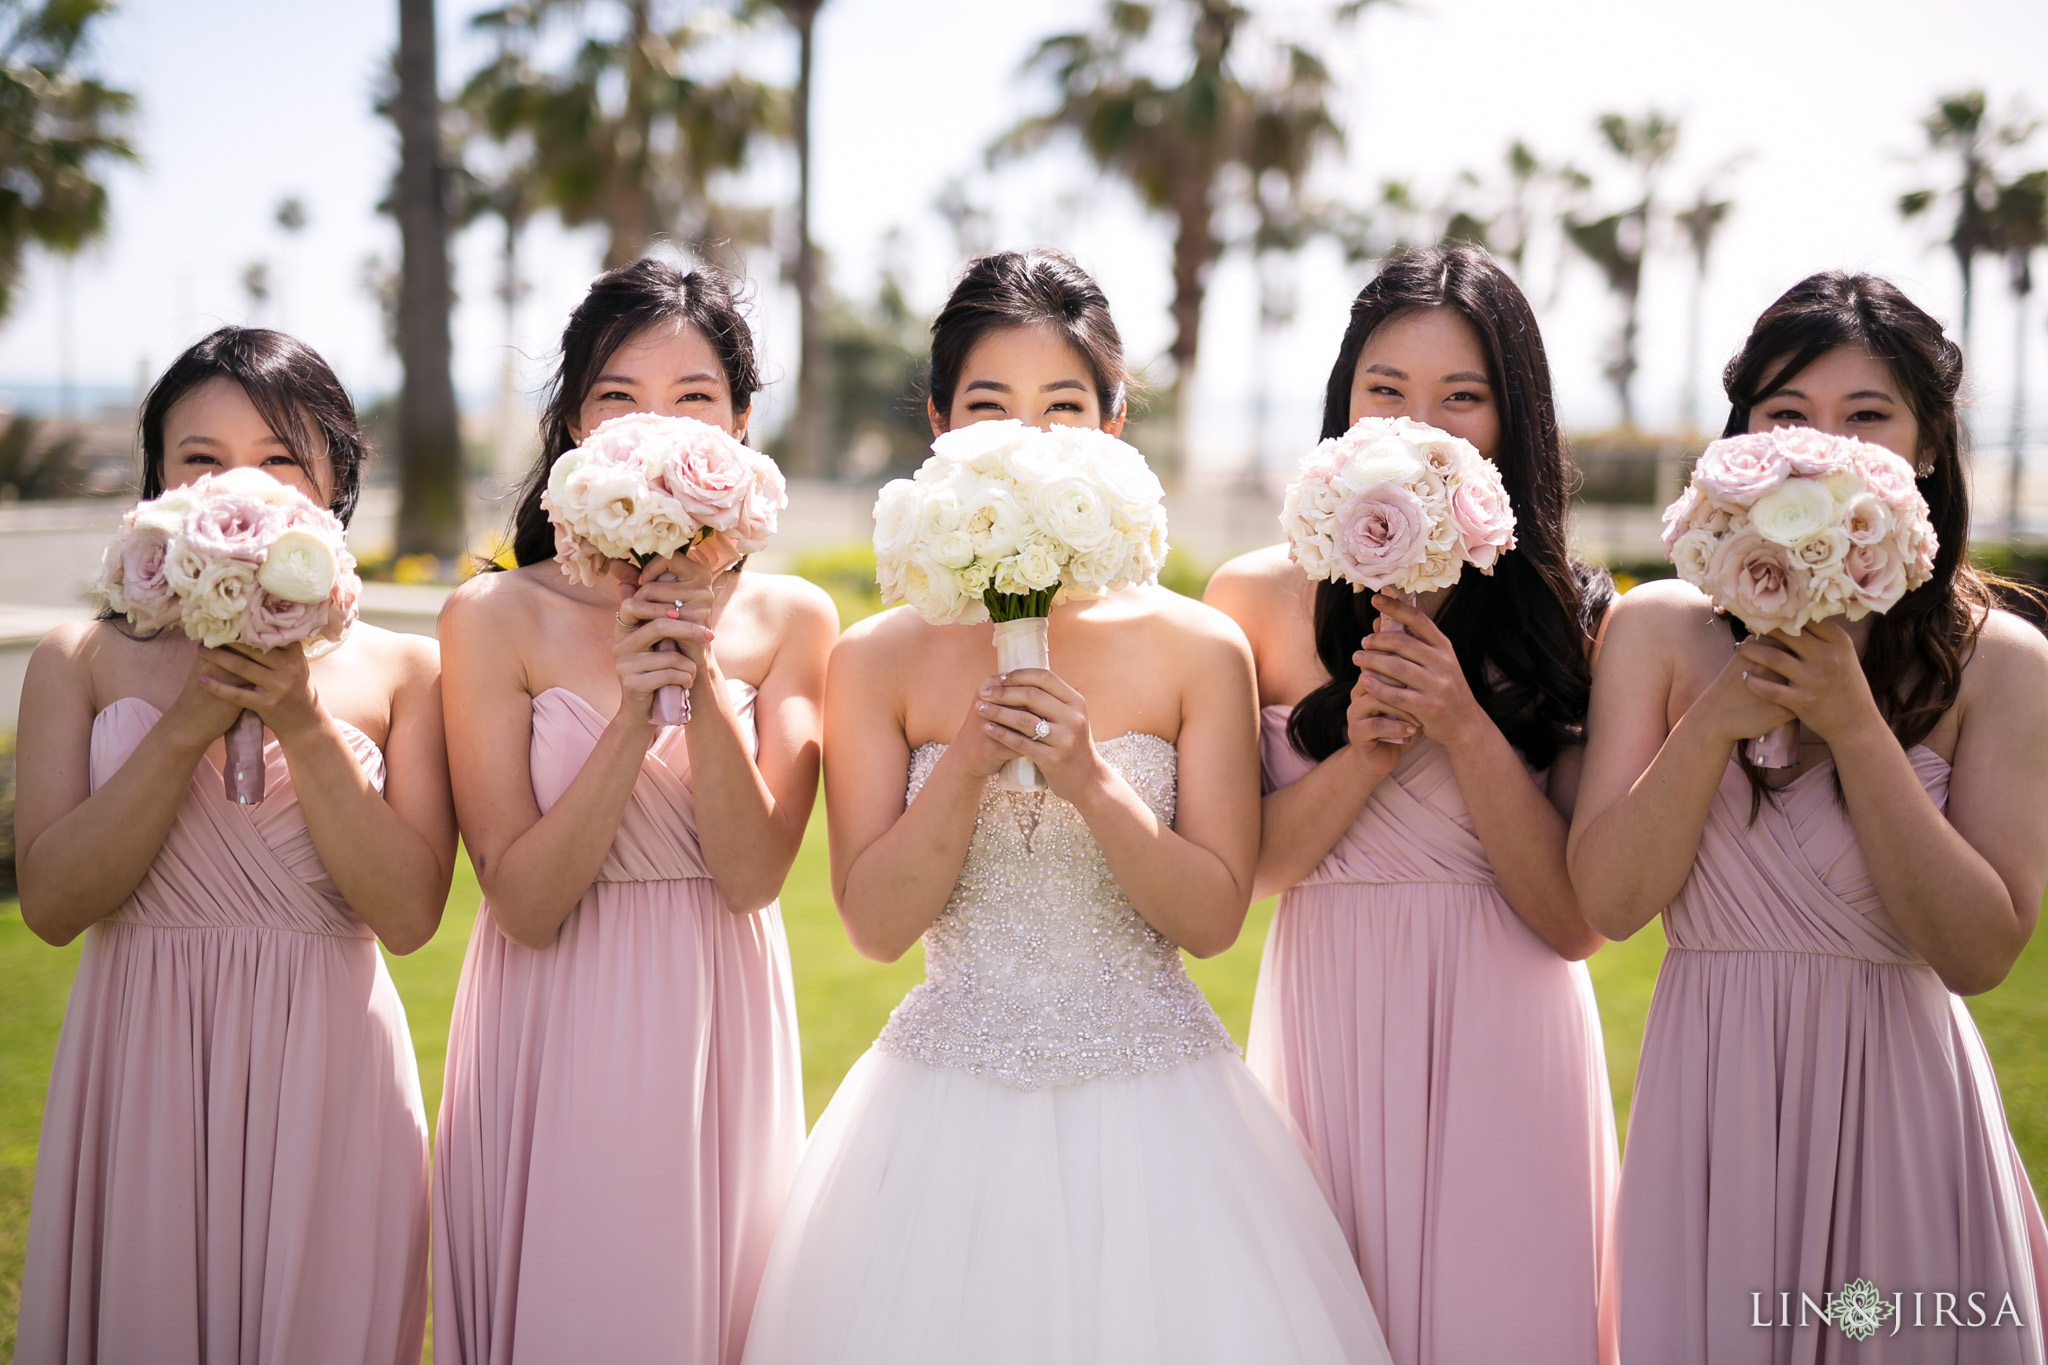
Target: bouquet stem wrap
1406 599
671 703
1022 643
1778 749
243 779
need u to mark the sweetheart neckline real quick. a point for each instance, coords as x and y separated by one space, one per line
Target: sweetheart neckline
1827 762
268 744
586 704
1114 739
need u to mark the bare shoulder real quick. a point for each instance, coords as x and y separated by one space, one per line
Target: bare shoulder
495 599
1195 630
893 637
1664 612
786 601
2009 666
1255 580
72 644
405 657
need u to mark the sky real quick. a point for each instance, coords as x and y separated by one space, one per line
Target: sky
1816 102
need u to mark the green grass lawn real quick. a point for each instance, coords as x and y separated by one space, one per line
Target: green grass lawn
842 999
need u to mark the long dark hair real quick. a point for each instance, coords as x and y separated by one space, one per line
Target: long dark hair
1036 288
291 388
1521 635
622 303
1916 651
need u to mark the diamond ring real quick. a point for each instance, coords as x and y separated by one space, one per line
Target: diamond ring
1042 729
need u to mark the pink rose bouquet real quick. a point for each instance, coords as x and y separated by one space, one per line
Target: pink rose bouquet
642 487
1787 527
1396 506
236 558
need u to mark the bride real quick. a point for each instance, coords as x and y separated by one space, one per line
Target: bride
1053 1152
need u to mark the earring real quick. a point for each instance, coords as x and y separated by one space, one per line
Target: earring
1923 469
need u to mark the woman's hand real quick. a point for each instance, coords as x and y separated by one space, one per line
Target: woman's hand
277 684
1731 707
647 616
1815 676
1032 713
679 588
1413 674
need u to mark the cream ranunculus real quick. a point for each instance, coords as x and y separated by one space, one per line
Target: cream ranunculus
1692 553
1072 510
1792 511
214 607
301 567
1034 568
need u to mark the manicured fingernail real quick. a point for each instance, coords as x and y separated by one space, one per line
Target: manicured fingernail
982 707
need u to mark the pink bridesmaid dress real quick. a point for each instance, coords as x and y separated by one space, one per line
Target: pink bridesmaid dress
233 1168
1813 1107
1445 1067
624 1109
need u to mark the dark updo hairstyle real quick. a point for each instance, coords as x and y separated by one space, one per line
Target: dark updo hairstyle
1036 288
291 388
621 304
1523 634
1916 651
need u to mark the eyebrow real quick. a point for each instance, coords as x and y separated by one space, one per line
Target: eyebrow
1878 394
1387 370
701 377
995 384
201 438
1466 377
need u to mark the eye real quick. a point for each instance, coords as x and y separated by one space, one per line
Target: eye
280 459
1384 391
197 457
1788 416
1063 405
613 396
1466 396
984 405
1870 415
697 397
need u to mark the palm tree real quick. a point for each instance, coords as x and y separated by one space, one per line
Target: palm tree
1958 126
811 423
1700 224
628 135
61 129
1173 143
430 498
1617 243
2019 228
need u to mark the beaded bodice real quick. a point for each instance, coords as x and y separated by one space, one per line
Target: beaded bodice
1039 971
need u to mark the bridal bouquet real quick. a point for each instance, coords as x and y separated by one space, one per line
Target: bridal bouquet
235 558
1396 506
1787 527
1003 520
642 487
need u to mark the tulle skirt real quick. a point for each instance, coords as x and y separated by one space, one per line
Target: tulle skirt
1170 1217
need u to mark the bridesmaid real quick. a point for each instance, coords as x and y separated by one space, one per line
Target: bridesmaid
1813 1105
1422 1012
624 1109
234 1156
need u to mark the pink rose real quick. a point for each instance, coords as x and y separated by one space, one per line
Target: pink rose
1867 519
136 582
1879 573
343 602
708 475
715 552
227 526
1678 517
760 510
1757 582
1890 478
1381 534
1737 470
272 621
1484 518
579 559
1811 452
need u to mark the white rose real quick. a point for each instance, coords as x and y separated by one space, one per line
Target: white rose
996 519
213 610
1821 550
300 567
166 513
1035 567
1793 511
1072 510
611 507
1690 555
255 484
182 567
896 509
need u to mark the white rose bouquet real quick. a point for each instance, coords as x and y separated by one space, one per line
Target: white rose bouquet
642 487
235 558
1005 519
1786 527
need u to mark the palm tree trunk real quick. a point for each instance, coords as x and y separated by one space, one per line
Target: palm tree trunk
631 220
430 506
2022 287
1194 247
811 450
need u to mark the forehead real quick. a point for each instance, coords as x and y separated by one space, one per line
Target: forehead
1842 369
668 349
218 406
1037 349
1434 331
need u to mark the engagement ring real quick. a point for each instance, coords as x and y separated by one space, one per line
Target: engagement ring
1042 729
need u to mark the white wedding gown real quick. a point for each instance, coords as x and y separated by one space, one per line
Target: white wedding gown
1053 1153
